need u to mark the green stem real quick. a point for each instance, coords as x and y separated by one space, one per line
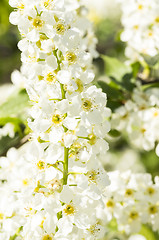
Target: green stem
55 99
74 173
65 166
66 150
58 61
62 91
84 137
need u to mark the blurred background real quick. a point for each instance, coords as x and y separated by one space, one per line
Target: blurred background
9 54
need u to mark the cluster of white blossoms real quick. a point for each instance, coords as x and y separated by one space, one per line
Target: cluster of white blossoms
118 160
141 22
55 189
138 118
133 200
27 213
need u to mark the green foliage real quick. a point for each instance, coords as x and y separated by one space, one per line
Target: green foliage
114 133
115 68
145 231
119 73
150 85
14 111
108 31
135 68
151 61
4 16
115 96
9 54
14 108
148 233
120 84
151 162
7 142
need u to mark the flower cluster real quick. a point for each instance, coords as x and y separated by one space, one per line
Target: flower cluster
119 161
60 191
141 21
133 200
138 118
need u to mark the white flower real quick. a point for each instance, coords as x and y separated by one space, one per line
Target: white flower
137 237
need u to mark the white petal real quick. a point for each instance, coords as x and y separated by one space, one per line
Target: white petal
52 62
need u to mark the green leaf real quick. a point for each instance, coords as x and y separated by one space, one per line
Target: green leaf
150 85
113 226
115 68
135 68
151 61
7 142
111 91
114 133
14 111
150 161
148 233
127 82
15 105
115 96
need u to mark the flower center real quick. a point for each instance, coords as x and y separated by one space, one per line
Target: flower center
150 190
60 28
94 229
92 139
134 215
110 204
136 27
56 119
129 192
71 57
69 209
50 77
86 105
25 182
47 237
92 176
41 165
157 19
75 149
38 23
140 7
153 209
143 130
156 114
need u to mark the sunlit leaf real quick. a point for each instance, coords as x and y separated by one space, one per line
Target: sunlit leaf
13 110
115 68
147 233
